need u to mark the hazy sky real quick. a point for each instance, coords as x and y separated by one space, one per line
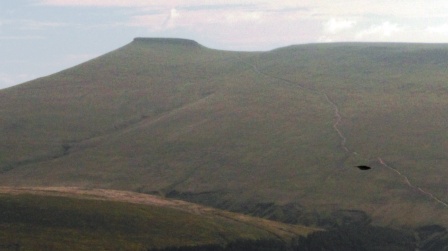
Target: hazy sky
40 37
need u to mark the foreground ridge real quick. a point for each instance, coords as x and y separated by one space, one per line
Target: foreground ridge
281 230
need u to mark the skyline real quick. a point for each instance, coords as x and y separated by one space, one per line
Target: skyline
41 37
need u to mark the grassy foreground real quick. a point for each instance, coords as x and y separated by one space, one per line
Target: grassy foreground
55 220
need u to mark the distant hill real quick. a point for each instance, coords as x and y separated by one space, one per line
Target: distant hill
275 134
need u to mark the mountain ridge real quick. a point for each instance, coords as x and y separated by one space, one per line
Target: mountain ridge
168 41
242 130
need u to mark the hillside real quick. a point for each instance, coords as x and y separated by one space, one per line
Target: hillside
78 219
274 134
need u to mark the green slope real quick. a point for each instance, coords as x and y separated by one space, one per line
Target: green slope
275 134
72 219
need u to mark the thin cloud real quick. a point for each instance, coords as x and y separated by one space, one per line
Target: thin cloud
334 26
195 19
385 29
146 3
101 3
335 8
438 29
169 21
263 23
242 16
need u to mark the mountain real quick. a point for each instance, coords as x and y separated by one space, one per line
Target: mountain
276 134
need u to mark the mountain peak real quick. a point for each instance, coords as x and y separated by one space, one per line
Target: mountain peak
167 41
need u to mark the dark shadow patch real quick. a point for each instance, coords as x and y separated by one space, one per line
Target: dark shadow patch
354 238
364 168
432 237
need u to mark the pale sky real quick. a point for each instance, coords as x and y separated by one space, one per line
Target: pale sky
41 37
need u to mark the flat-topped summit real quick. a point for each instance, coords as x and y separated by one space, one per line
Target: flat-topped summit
167 41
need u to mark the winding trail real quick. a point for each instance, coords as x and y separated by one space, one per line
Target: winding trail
289 82
406 180
95 140
337 121
338 117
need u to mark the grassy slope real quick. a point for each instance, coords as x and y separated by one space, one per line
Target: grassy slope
71 219
392 99
156 116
